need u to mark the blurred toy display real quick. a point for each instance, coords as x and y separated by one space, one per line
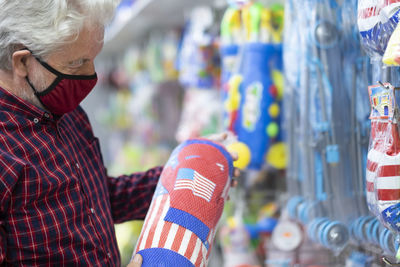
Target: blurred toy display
198 57
199 73
326 100
320 180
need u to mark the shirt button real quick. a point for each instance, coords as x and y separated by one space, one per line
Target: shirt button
109 255
47 115
77 165
36 120
92 210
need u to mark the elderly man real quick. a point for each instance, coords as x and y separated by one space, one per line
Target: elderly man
58 206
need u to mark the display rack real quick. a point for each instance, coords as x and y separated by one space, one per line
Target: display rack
142 17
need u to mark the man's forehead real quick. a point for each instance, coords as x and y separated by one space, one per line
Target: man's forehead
86 46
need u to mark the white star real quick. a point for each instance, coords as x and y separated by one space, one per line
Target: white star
388 214
398 224
398 213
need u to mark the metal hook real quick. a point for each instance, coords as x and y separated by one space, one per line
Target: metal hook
384 86
386 261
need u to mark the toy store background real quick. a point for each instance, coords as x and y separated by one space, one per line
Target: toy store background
307 89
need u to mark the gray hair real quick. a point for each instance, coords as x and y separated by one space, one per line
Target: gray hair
44 26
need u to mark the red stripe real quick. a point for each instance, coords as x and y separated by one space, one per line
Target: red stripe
199 258
389 2
178 239
192 244
204 188
388 194
370 187
145 225
372 166
369 12
164 233
203 195
154 225
389 170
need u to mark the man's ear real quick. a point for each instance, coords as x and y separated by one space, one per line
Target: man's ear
19 59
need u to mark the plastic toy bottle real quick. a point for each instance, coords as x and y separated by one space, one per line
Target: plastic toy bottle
180 226
255 125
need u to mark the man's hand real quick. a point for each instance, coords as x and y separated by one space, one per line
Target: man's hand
221 138
136 262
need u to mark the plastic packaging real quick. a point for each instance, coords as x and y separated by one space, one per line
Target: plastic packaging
377 20
383 170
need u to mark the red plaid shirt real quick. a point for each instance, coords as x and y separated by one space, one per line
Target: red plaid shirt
57 204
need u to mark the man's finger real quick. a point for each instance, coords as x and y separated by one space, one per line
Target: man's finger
234 155
136 262
219 138
234 183
236 172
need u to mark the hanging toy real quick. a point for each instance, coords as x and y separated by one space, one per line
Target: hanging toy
383 171
230 27
180 226
258 117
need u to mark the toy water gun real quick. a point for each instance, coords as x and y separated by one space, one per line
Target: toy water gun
251 17
277 19
262 24
180 226
277 154
230 26
258 117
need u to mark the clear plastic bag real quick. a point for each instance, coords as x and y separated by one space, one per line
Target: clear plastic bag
383 167
377 20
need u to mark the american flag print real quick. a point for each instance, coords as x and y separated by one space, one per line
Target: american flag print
383 172
180 225
383 179
167 235
189 179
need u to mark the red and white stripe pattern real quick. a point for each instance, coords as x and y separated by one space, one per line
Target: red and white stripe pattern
368 14
198 184
372 166
383 167
371 13
163 234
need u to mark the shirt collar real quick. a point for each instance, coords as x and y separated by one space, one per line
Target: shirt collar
12 103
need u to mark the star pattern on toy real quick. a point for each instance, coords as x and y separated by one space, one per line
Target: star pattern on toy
388 214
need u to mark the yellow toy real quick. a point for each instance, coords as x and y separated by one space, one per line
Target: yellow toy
243 152
276 156
392 53
274 110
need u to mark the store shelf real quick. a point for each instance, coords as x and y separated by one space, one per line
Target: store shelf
144 16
